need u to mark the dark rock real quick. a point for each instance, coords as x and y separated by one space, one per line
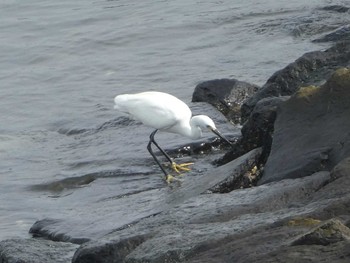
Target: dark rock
226 95
35 251
258 129
312 68
243 179
311 132
329 232
256 132
238 148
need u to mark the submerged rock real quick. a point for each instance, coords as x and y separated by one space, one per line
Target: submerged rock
337 8
341 34
311 132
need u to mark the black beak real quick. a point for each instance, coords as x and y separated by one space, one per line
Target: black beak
220 135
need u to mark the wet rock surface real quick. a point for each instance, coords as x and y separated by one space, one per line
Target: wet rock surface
323 113
35 251
164 199
208 222
262 219
329 232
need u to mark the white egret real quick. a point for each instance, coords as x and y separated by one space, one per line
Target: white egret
165 112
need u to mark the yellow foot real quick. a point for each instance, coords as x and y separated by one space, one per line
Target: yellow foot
169 178
181 167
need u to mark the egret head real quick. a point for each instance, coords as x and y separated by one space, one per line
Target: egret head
204 122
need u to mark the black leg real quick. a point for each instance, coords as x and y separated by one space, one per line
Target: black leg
149 148
160 149
176 167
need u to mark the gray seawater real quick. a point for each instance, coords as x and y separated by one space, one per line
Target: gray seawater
63 149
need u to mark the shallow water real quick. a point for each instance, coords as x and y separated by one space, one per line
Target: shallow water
62 146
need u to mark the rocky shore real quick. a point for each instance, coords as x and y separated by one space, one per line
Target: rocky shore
280 195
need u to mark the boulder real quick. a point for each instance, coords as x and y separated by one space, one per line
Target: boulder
312 68
311 131
227 95
259 111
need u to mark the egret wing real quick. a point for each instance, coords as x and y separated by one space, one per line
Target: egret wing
155 109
